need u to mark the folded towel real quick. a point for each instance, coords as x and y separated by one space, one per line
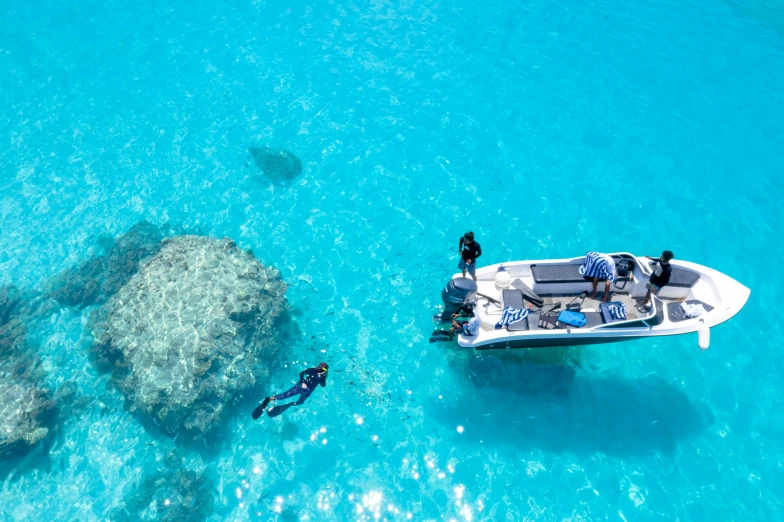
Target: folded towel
598 265
510 316
617 311
692 310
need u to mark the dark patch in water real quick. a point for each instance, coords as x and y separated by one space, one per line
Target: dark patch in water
280 166
100 277
176 492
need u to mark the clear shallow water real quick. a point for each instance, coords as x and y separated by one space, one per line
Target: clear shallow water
535 125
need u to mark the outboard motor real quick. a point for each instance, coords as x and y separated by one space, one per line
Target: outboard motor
456 293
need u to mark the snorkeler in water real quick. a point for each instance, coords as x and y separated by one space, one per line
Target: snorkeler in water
308 380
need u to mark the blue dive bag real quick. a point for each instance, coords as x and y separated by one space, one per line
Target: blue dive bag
575 319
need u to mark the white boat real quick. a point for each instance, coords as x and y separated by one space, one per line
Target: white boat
542 284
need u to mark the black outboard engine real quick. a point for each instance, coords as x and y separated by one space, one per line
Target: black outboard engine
456 293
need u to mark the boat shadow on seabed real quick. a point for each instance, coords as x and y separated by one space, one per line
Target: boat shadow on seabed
508 400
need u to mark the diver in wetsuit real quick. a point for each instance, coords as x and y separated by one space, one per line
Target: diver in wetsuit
308 380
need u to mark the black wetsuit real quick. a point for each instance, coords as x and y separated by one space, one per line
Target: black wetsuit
311 378
664 277
469 251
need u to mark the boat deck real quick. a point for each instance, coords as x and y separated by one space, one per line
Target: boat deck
590 307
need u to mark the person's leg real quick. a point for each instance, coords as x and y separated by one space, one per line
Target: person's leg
595 283
462 266
277 410
285 395
472 270
288 393
606 291
652 290
303 396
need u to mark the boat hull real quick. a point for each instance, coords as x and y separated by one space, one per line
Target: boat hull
562 341
722 297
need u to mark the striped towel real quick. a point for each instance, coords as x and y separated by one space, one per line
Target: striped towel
598 265
511 316
617 311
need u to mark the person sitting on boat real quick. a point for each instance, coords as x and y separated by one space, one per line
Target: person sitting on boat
598 266
470 327
662 271
469 250
467 310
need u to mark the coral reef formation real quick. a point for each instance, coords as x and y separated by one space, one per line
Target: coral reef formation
23 400
184 336
280 166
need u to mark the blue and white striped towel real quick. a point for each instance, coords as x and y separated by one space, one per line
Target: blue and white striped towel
617 311
511 316
598 265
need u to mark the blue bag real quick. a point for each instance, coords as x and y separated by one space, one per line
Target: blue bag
575 319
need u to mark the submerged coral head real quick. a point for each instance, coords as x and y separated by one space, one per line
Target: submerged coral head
280 166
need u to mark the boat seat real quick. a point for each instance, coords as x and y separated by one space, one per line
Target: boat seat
514 298
557 273
570 272
683 278
675 313
593 319
604 310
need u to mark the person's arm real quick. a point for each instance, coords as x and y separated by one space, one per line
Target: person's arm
302 375
323 382
478 251
460 247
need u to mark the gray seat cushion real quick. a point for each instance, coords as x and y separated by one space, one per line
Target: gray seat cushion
566 273
519 326
593 319
514 298
557 274
683 278
604 310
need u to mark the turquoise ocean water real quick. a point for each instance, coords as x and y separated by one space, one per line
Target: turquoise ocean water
548 128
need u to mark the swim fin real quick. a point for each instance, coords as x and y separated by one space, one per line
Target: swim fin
260 408
277 410
440 339
528 293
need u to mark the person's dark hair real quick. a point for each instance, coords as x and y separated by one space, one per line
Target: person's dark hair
469 235
667 255
323 366
469 307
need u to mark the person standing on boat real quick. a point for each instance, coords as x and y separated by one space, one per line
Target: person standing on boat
662 271
469 250
598 267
